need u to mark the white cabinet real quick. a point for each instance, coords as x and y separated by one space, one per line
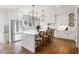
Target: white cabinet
28 42
65 34
28 39
17 37
23 40
5 38
60 34
72 35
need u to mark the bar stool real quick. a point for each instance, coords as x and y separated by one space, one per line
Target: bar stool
39 38
49 34
43 35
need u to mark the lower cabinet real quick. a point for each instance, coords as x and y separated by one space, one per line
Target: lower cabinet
28 41
72 35
16 36
5 38
65 34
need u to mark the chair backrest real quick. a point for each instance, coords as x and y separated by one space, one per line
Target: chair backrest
41 33
49 31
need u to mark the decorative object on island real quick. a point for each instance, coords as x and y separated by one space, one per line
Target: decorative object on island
71 19
66 29
38 27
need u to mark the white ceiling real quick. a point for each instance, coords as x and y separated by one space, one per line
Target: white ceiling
26 6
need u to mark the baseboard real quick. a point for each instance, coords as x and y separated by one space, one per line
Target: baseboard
17 41
3 42
64 39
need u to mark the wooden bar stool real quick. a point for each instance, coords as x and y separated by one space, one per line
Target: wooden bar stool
41 34
39 38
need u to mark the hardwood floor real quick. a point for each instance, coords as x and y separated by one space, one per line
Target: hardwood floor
56 46
14 48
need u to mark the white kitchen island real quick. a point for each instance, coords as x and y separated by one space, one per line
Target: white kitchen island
28 40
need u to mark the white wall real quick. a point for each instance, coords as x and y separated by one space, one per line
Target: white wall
3 21
63 14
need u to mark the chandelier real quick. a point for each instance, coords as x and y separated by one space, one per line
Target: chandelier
33 14
34 18
42 16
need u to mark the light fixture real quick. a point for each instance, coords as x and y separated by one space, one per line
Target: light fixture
33 14
43 15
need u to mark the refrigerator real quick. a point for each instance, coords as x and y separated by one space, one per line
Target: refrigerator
16 28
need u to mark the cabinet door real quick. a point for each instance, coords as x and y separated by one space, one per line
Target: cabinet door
60 34
5 38
72 35
23 40
17 37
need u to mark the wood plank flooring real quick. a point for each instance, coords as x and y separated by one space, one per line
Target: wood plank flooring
56 46
14 48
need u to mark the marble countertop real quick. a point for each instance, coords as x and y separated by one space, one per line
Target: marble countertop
33 32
